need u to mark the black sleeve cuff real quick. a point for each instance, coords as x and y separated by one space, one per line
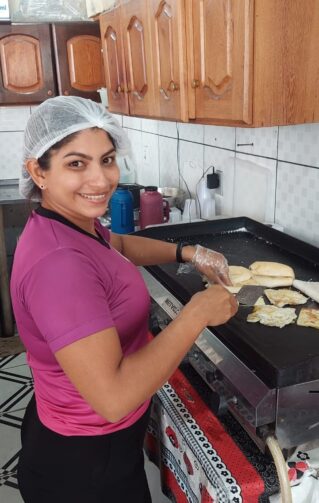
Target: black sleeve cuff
179 248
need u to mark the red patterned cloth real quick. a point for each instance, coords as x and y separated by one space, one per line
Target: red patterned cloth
199 462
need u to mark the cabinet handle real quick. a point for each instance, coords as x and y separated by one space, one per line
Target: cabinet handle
120 89
137 95
195 83
164 93
49 93
66 93
173 86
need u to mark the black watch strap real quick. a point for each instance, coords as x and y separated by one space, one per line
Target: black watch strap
179 248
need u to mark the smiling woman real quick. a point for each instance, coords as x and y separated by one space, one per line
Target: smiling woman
81 177
81 308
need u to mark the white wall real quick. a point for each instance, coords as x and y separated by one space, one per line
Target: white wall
170 154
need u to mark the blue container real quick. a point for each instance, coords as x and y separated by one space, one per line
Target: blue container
122 213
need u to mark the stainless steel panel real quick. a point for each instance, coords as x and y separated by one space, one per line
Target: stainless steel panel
298 414
244 391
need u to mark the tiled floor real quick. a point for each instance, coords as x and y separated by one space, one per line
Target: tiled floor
16 387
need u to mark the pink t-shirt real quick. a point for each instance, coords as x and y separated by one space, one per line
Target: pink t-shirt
66 284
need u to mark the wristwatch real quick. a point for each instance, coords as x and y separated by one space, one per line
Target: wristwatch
180 245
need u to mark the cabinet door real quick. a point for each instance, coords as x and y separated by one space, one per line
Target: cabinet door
26 64
169 56
138 58
79 63
220 59
113 56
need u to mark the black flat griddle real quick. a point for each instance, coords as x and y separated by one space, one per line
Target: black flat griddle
280 356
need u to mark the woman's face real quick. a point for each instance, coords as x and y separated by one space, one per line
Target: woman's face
82 177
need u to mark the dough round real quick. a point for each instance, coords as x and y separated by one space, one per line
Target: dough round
264 268
272 316
238 274
273 281
284 296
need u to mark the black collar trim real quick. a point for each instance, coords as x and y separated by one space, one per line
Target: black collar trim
44 212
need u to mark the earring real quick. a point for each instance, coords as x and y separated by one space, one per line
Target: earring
42 186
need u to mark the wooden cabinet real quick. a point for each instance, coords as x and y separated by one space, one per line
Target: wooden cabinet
220 59
138 58
113 54
26 64
230 62
253 62
168 35
79 62
32 60
142 46
286 62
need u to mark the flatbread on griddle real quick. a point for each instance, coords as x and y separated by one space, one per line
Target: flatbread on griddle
284 296
308 318
272 281
265 268
238 274
232 289
272 274
310 288
272 316
260 301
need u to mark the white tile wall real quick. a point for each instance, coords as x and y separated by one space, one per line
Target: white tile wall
13 118
201 146
11 153
168 163
297 201
191 132
267 167
257 141
166 152
148 173
223 162
12 123
299 144
219 136
135 138
166 128
132 122
150 125
191 161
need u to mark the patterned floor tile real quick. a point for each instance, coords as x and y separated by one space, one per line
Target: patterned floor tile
16 387
8 474
9 452
10 494
13 361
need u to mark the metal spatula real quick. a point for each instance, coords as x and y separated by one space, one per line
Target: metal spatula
249 294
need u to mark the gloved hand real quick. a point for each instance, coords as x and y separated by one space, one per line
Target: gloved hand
212 264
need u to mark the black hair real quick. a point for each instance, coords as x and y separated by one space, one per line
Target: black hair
45 160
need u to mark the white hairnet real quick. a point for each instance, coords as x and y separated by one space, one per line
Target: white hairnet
57 118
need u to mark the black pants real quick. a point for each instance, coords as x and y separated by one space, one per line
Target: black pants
54 468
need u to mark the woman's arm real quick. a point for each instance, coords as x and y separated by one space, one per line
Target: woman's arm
146 251
115 385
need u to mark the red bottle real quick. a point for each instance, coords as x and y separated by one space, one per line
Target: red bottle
153 208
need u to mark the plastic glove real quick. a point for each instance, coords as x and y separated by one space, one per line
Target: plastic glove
212 264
